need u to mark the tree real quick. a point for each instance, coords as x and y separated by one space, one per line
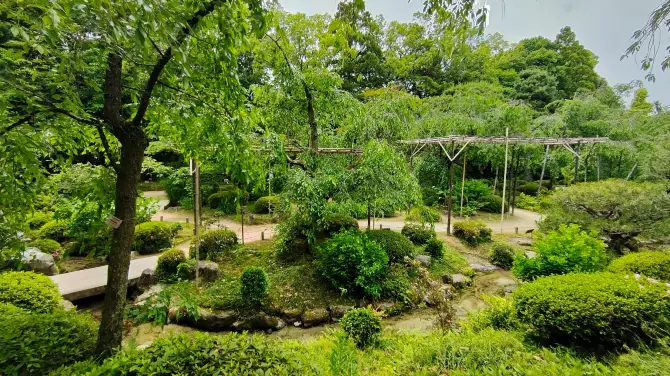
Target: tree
538 87
645 40
117 68
639 105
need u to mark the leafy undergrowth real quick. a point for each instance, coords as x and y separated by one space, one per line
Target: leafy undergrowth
452 262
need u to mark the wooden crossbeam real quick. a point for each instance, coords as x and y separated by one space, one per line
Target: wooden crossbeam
511 140
319 151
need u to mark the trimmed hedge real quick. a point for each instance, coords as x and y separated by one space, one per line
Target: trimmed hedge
215 243
435 248
395 244
530 188
263 205
254 286
46 245
30 291
594 309
492 204
226 201
37 220
34 344
167 264
502 255
362 326
423 214
472 232
418 234
54 230
650 264
152 237
334 223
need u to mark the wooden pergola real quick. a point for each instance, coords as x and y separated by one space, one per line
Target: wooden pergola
572 144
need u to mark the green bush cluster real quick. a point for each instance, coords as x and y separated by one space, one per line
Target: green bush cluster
396 245
423 214
396 283
54 230
7 309
492 204
502 255
355 209
152 237
650 264
37 220
34 344
46 245
186 269
215 243
435 248
472 233
167 264
594 309
254 286
418 234
226 201
498 314
30 291
334 223
353 263
530 188
263 205
363 326
564 251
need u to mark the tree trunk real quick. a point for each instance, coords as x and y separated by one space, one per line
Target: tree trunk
130 166
368 215
311 120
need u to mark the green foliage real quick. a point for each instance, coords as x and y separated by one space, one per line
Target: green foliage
54 230
353 263
181 298
186 270
594 309
396 246
493 204
226 201
334 223
498 314
567 250
423 214
37 220
34 344
152 237
530 188
435 248
528 202
396 283
363 326
46 245
650 264
168 263
9 309
418 234
254 286
215 243
472 233
30 291
266 204
203 354
502 255
349 207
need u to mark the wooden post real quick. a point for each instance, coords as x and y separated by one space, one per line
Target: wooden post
242 216
451 190
262 235
186 220
465 164
544 166
516 230
161 218
502 210
577 163
586 168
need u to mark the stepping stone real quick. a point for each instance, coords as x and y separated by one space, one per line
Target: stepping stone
484 268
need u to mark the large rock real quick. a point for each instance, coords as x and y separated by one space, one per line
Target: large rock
338 311
259 321
531 254
484 268
209 271
211 321
424 260
39 262
315 317
146 280
149 293
67 305
292 314
460 281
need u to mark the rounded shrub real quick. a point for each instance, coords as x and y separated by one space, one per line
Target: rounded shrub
568 250
423 214
30 291
215 243
594 309
502 255
226 201
492 204
353 263
435 248
54 230
530 188
8 309
254 286
650 264
265 203
152 237
37 220
166 266
396 245
46 245
418 234
34 344
334 223
472 233
186 270
362 326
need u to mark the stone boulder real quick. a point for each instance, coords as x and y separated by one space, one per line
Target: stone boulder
447 278
149 293
315 317
146 280
67 305
424 260
39 262
292 314
460 281
259 321
484 268
338 311
211 321
209 271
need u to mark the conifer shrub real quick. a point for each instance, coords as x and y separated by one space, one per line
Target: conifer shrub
54 230
37 220
152 237
435 248
502 255
46 245
472 233
167 265
254 286
363 326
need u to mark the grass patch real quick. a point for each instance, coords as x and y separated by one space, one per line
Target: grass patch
452 262
144 186
185 234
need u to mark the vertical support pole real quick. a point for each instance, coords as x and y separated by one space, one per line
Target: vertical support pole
451 190
196 219
516 230
495 182
242 217
465 164
630 174
161 218
544 167
577 163
586 168
186 220
502 210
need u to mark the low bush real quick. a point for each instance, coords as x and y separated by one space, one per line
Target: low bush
54 230
226 201
214 243
530 188
353 263
423 214
594 309
292 243
254 286
201 354
186 270
334 223
7 309
472 233
37 220
396 245
498 314
34 344
502 255
363 326
418 234
152 237
435 248
30 291
264 204
564 251
396 284
492 204
528 202
476 352
650 264
46 245
167 265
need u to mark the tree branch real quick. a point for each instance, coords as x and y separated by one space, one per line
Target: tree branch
105 144
165 58
162 83
16 124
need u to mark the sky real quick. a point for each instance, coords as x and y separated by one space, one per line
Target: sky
602 26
